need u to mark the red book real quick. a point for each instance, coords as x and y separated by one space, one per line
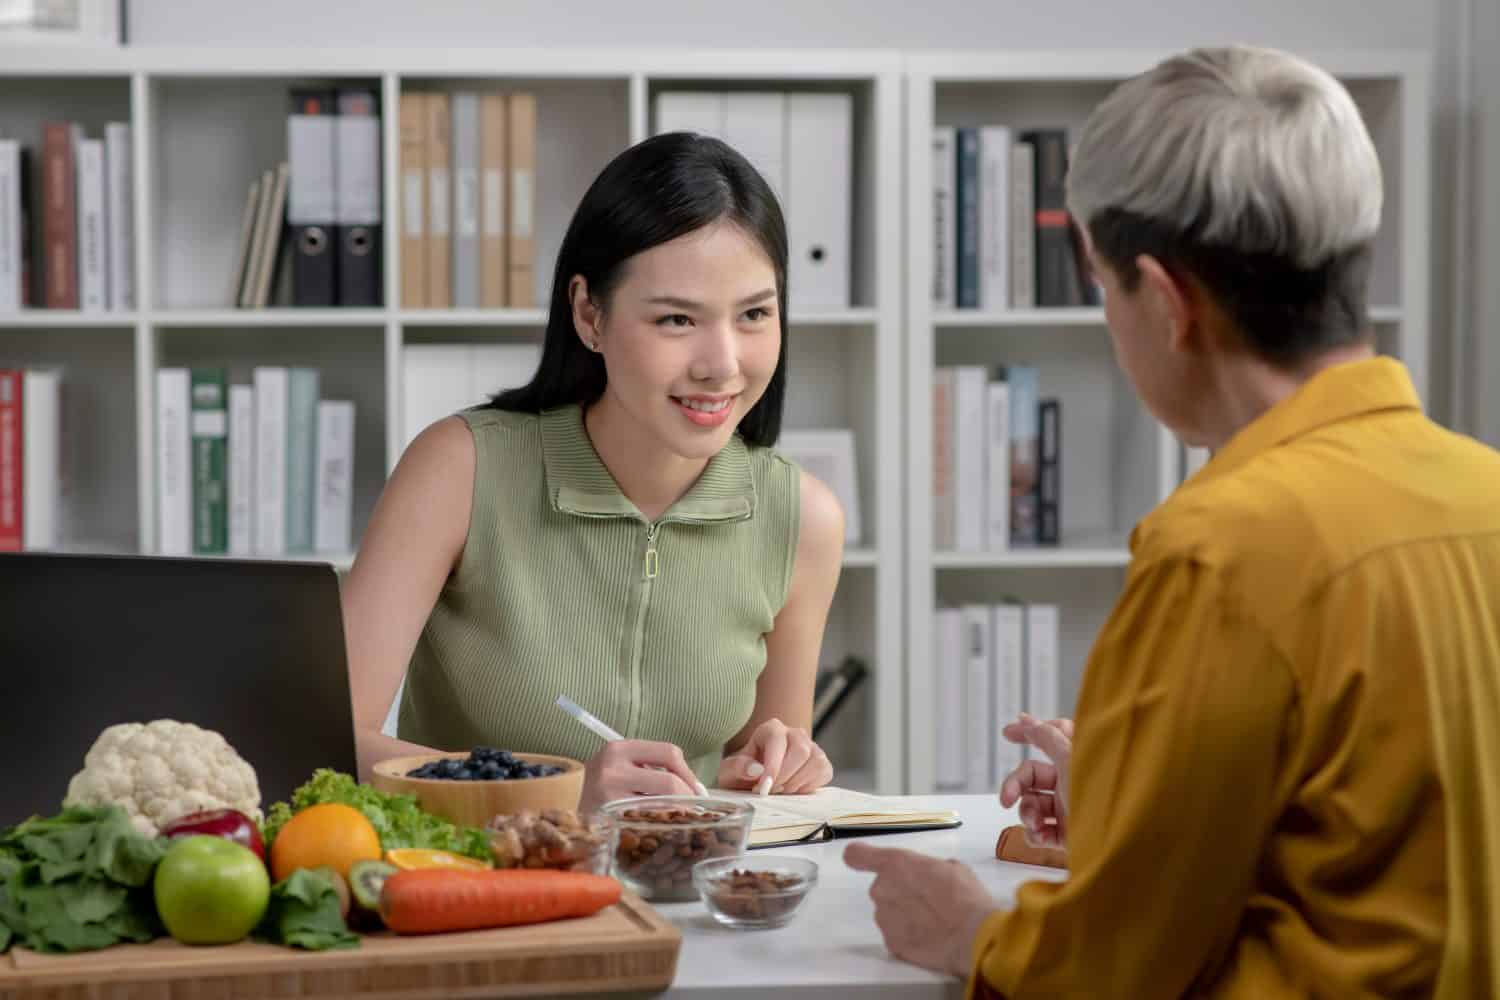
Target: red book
10 461
59 217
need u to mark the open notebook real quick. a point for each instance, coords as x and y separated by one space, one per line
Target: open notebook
832 812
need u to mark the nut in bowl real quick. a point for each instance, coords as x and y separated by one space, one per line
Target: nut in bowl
763 893
659 838
472 796
560 839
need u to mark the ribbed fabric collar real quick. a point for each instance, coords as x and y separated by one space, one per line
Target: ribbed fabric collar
1342 392
578 482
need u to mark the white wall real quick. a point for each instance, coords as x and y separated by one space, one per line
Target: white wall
1296 24
783 23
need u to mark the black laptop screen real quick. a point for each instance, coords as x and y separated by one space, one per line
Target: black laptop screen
253 650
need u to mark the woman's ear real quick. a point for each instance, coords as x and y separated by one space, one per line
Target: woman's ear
588 318
1171 302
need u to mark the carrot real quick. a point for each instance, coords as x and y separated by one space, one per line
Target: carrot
435 900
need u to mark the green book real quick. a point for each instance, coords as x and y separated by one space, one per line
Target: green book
301 458
210 423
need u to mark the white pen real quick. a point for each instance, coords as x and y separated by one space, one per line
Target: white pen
601 729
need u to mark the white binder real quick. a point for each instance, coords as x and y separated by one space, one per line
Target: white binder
755 125
690 111
819 209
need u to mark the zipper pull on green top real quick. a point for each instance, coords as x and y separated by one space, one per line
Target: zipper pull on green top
653 562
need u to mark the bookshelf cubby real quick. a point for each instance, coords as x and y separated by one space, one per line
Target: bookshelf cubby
1116 462
206 123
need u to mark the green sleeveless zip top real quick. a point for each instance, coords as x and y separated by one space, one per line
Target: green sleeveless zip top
565 588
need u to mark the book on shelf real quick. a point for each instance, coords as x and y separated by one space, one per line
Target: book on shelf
31 482
87 225
312 195
996 451
258 469
210 435
990 663
468 166
357 235
1002 236
830 812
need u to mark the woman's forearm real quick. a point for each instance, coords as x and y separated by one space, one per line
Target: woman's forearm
372 746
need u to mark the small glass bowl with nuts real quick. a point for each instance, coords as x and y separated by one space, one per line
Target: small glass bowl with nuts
763 893
560 839
659 838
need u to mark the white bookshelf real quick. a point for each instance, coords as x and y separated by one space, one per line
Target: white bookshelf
1116 462
206 123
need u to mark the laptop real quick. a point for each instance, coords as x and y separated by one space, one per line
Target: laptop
252 650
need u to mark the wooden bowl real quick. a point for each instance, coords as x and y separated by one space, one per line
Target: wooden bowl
475 803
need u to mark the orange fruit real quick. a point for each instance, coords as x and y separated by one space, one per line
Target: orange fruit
329 834
412 858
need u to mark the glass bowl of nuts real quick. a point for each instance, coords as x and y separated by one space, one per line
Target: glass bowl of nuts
765 892
657 840
561 839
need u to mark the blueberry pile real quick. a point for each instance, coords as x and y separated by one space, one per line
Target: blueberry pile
483 764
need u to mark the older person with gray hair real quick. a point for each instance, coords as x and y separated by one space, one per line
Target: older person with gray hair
1284 774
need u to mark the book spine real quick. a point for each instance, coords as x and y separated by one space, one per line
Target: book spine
493 268
59 217
943 473
174 463
979 699
994 223
970 453
1049 472
210 476
1022 227
944 224
1056 269
93 267
301 458
241 469
10 226
412 114
335 485
41 458
521 152
121 215
950 770
966 189
12 533
1023 454
270 460
997 509
1008 631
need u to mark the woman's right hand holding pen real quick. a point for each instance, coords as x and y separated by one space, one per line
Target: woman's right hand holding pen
627 768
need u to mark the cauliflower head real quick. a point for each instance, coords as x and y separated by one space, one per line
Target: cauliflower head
161 770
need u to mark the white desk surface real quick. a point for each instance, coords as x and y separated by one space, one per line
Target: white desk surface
832 947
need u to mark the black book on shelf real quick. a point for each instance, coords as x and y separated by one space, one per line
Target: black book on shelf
1049 472
833 688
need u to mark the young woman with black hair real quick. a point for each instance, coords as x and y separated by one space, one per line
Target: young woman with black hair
620 529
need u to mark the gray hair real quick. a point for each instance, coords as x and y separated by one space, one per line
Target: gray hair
1251 149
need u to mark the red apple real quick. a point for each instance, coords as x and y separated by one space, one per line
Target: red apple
231 824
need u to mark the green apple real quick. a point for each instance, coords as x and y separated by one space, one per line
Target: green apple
210 890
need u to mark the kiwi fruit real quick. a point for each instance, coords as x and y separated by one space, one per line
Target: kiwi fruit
366 879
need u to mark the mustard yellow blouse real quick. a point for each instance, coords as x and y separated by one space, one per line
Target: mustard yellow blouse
1286 778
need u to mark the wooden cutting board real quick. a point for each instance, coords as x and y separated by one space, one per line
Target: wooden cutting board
626 947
